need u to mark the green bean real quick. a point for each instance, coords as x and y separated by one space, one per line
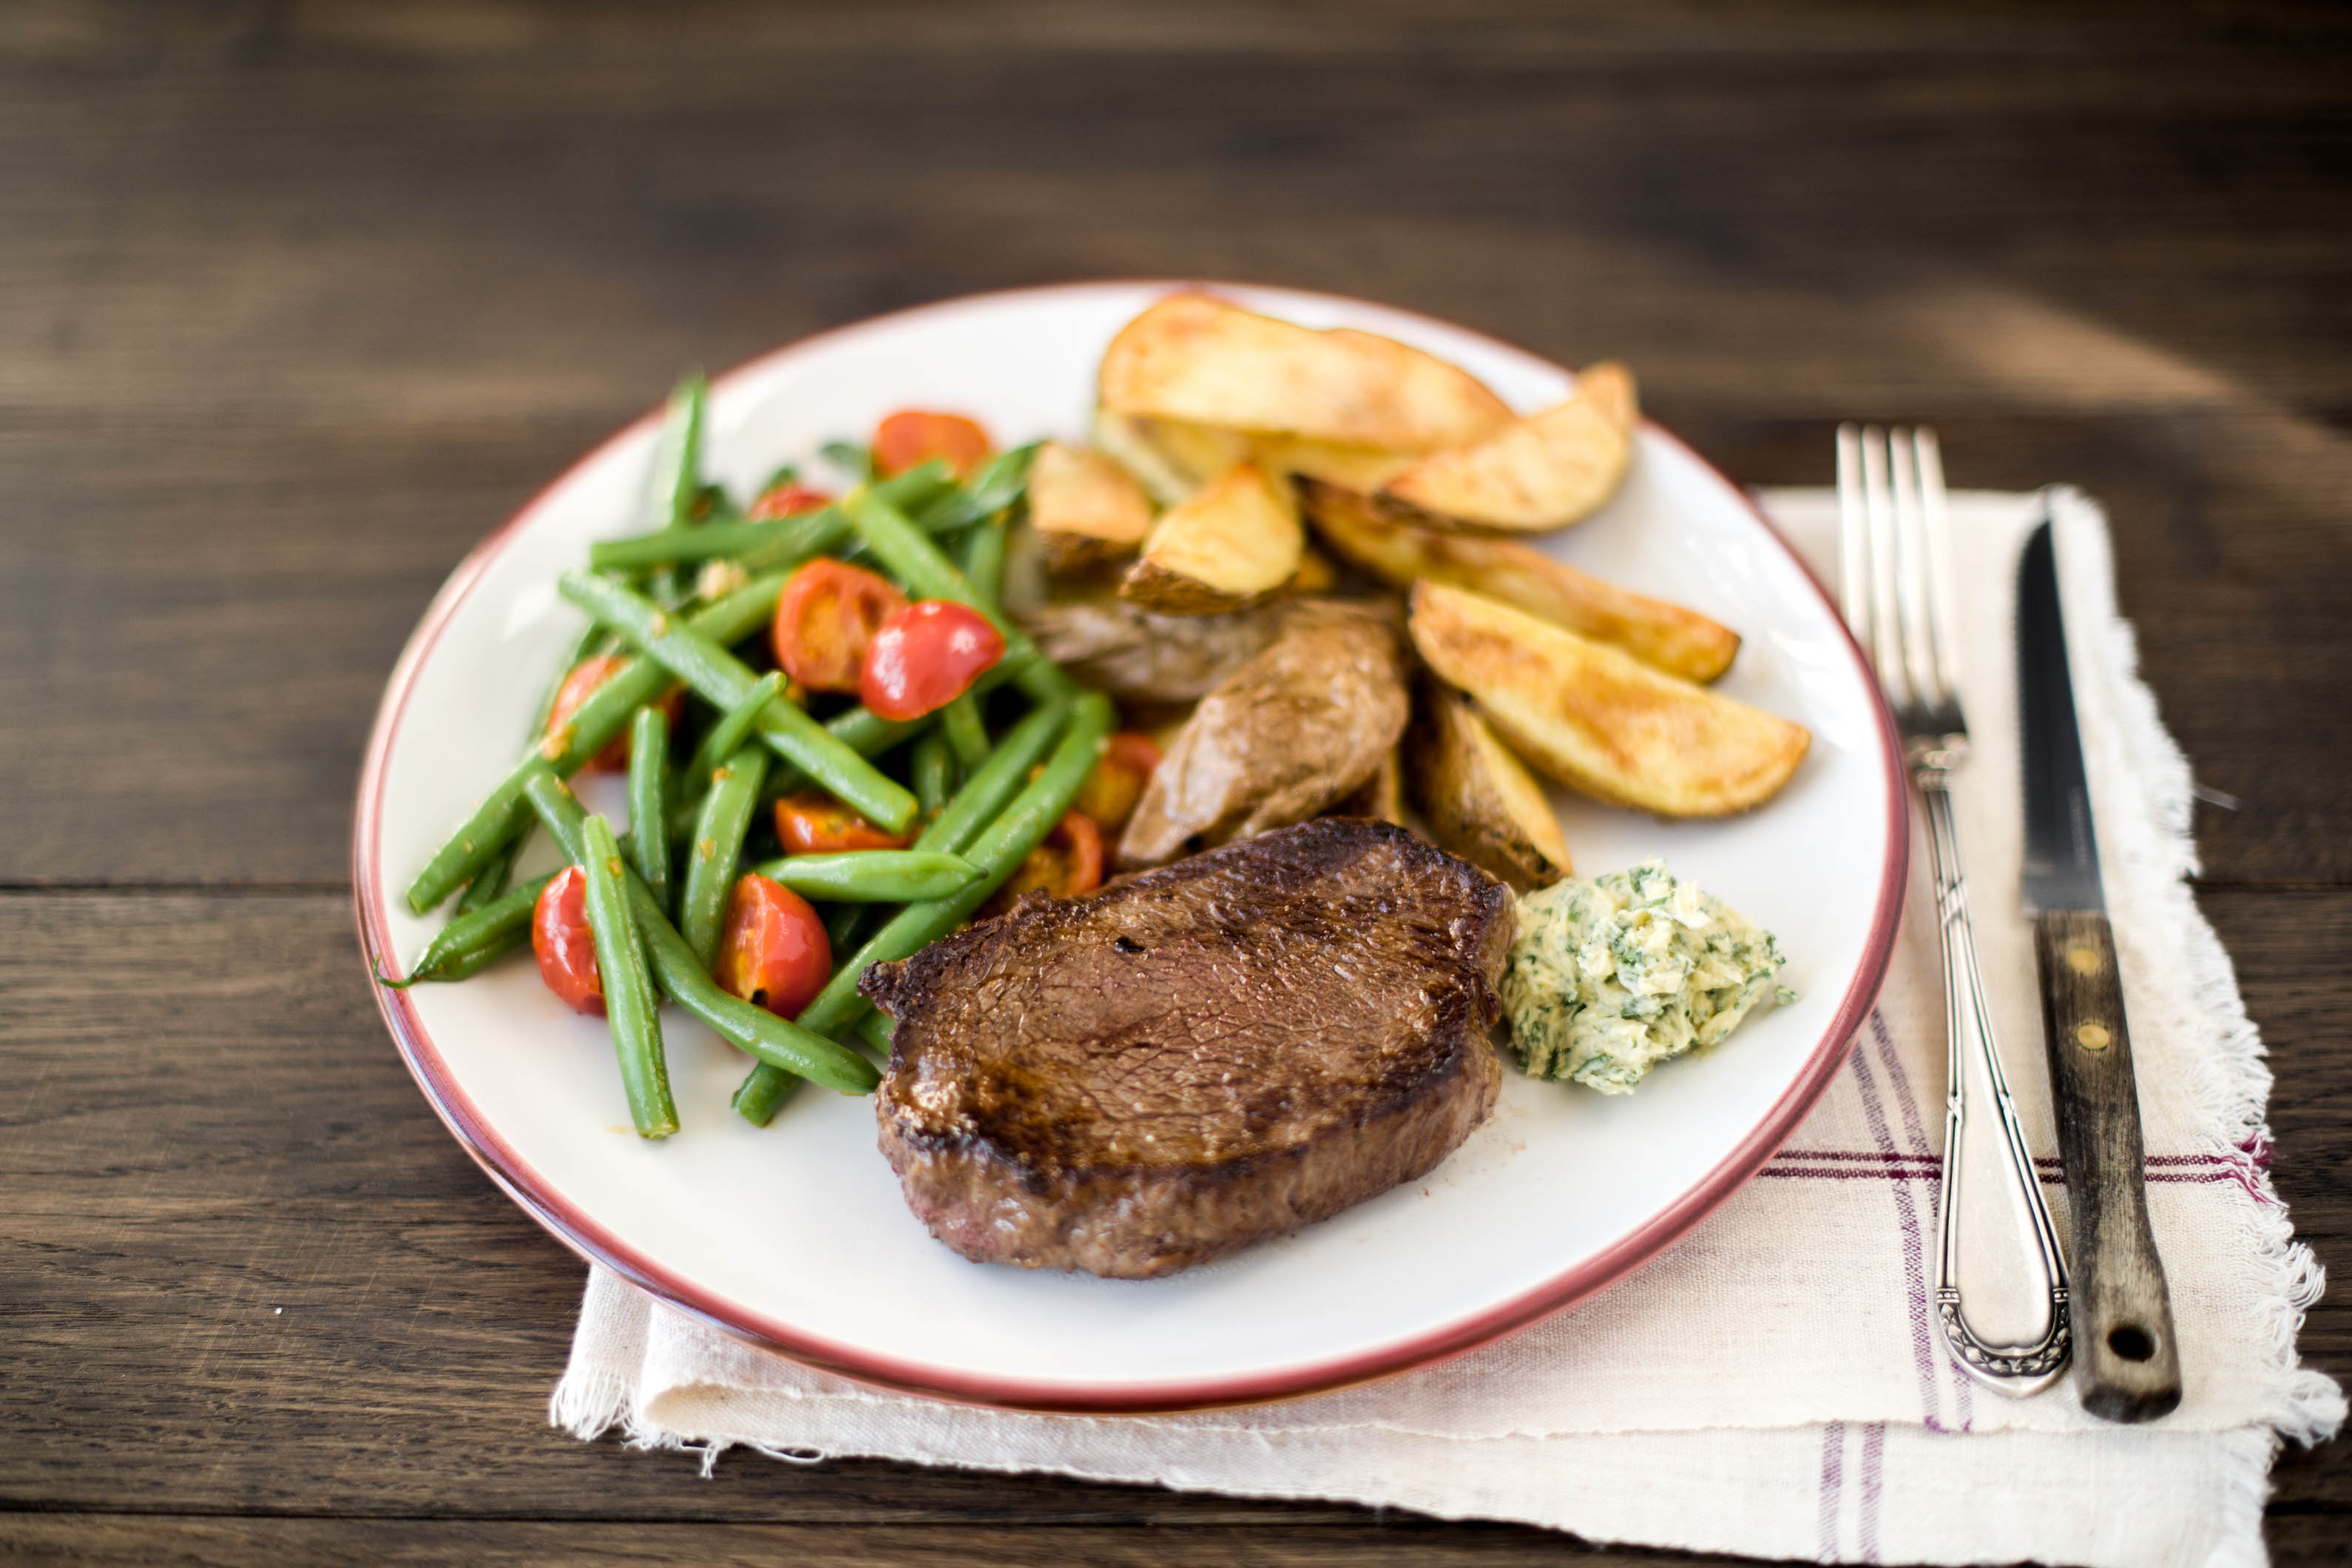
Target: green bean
728 732
649 799
1000 482
676 475
876 1030
934 770
718 845
629 1007
858 876
592 640
998 852
722 679
774 542
992 783
983 560
490 882
850 456
967 736
841 926
592 727
928 573
778 1043
479 938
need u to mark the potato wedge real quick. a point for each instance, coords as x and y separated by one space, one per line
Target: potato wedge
1479 801
1128 442
1230 546
1315 577
1363 469
1664 635
1196 358
1598 719
1381 796
1299 727
1088 510
1535 474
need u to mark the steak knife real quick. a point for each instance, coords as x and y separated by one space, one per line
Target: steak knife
2127 1366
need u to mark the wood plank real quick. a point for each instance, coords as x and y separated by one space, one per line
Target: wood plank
205 1542
245 1271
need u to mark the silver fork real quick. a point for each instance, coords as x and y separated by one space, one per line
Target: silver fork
2000 1284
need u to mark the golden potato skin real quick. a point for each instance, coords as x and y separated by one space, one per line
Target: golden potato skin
1665 635
1381 796
1597 719
1198 358
1297 729
1478 800
1537 474
1088 510
1235 543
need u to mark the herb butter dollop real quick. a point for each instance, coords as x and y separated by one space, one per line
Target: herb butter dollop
1613 976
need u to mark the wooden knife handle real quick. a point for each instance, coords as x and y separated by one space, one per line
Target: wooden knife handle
2127 1366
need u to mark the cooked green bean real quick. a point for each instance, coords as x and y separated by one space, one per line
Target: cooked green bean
934 771
876 1030
999 483
998 851
677 473
649 799
490 883
871 876
992 783
869 734
983 560
778 1043
967 736
592 727
592 640
718 845
729 734
479 938
776 541
722 679
630 1010
842 924
928 573
853 458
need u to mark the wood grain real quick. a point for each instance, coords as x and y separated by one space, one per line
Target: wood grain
303 300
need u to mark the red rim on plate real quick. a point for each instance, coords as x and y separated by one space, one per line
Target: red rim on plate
577 1230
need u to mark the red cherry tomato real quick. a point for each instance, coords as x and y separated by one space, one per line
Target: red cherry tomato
1110 791
772 950
581 685
827 615
565 947
1069 863
911 437
787 499
820 824
924 656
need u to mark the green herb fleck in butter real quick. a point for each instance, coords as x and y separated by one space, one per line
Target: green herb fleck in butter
1611 976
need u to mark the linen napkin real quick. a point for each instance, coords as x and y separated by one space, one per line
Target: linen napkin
1773 1383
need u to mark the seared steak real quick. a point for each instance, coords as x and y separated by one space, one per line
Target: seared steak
1196 1057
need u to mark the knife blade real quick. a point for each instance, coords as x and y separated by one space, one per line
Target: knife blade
2127 1366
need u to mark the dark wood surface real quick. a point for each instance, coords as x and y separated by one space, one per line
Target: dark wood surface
298 301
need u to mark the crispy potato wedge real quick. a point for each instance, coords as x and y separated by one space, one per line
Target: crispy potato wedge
1302 725
1664 635
1128 442
1088 510
1598 719
1364 469
1230 546
1381 796
1196 358
1315 577
1535 474
1479 801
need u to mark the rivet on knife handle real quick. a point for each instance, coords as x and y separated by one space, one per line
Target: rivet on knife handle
2128 1367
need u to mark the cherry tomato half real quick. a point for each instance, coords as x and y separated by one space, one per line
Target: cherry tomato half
581 685
772 950
1069 863
826 617
787 499
911 437
565 947
1110 791
820 824
924 656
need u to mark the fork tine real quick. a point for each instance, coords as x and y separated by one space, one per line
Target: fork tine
1943 627
1853 535
1878 511
1912 573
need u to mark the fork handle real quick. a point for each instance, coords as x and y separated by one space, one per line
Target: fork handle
2127 1366
1991 1189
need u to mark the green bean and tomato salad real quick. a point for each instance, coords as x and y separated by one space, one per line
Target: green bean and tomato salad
837 749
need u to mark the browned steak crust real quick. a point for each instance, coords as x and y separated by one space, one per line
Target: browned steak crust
1199 1057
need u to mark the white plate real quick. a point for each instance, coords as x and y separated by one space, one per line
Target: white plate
795 1234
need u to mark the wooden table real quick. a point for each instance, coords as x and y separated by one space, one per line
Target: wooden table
298 301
